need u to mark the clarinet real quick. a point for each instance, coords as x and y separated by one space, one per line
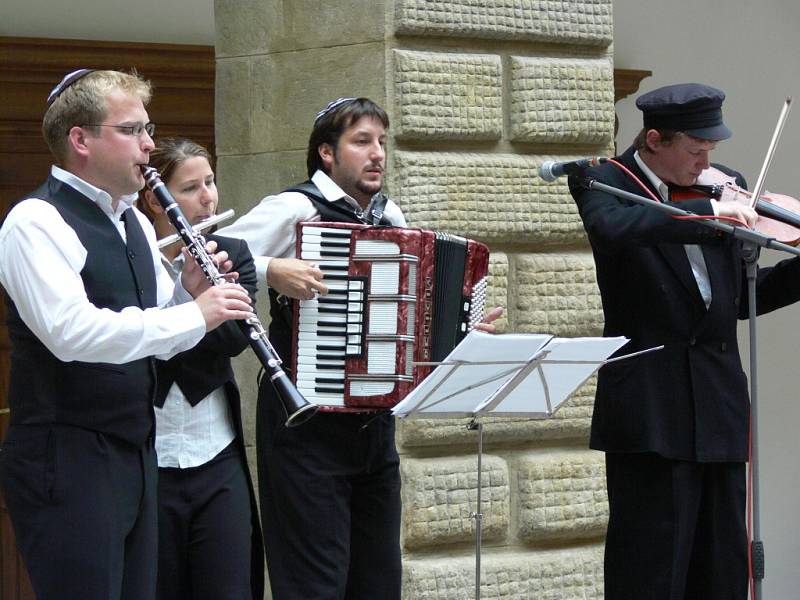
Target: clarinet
298 409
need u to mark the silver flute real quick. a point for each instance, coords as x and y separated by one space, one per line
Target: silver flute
198 227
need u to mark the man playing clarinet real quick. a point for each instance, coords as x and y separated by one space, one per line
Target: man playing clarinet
89 304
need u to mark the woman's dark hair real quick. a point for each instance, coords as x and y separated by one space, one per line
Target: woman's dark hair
330 127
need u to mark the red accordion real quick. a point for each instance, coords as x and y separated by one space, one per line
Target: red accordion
397 296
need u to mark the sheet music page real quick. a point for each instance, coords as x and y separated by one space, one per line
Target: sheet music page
568 363
559 367
462 388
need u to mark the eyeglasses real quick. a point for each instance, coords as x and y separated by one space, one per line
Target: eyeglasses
136 129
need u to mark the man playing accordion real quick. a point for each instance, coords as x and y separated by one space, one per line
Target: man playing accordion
329 489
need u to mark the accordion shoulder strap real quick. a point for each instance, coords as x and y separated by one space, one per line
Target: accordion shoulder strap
375 208
340 210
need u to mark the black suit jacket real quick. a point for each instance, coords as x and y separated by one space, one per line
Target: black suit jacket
206 367
688 401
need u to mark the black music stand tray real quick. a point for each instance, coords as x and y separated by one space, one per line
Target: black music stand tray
510 374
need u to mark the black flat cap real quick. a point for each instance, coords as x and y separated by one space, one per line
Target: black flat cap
693 108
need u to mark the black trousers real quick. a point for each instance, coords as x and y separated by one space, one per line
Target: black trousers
83 506
330 504
204 530
676 529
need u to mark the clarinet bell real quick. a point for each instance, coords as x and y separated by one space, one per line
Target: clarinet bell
298 409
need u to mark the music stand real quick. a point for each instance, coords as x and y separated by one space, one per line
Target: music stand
524 375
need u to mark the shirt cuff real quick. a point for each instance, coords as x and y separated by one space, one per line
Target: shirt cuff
262 266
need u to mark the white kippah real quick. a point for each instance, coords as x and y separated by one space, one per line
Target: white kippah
331 105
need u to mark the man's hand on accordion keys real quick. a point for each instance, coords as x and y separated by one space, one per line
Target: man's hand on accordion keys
295 278
487 323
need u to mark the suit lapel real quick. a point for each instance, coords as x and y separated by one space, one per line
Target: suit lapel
673 254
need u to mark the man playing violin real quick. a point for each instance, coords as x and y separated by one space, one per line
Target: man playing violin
674 423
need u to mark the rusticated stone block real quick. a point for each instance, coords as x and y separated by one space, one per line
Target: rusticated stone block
561 497
440 497
568 574
497 290
571 421
557 294
586 22
557 100
490 197
448 96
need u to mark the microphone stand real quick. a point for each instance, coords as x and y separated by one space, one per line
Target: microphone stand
752 242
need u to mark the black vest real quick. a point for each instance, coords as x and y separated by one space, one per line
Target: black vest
109 398
280 327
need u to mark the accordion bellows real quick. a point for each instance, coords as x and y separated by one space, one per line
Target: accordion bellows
397 296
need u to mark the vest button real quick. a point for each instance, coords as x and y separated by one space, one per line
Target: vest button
132 254
692 341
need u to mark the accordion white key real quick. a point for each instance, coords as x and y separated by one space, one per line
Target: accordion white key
397 296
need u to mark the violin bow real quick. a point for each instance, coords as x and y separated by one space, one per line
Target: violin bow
762 176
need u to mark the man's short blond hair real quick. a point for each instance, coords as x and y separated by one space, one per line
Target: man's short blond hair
84 102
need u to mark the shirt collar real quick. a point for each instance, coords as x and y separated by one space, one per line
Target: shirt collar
330 190
96 195
655 180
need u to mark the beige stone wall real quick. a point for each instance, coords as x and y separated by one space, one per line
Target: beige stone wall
480 92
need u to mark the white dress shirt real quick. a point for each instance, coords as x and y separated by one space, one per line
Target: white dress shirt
41 258
693 251
270 228
190 436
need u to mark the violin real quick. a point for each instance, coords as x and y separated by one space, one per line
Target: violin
778 214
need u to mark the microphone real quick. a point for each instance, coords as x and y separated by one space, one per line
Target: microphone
552 170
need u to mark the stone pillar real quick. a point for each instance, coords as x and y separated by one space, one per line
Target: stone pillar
479 92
